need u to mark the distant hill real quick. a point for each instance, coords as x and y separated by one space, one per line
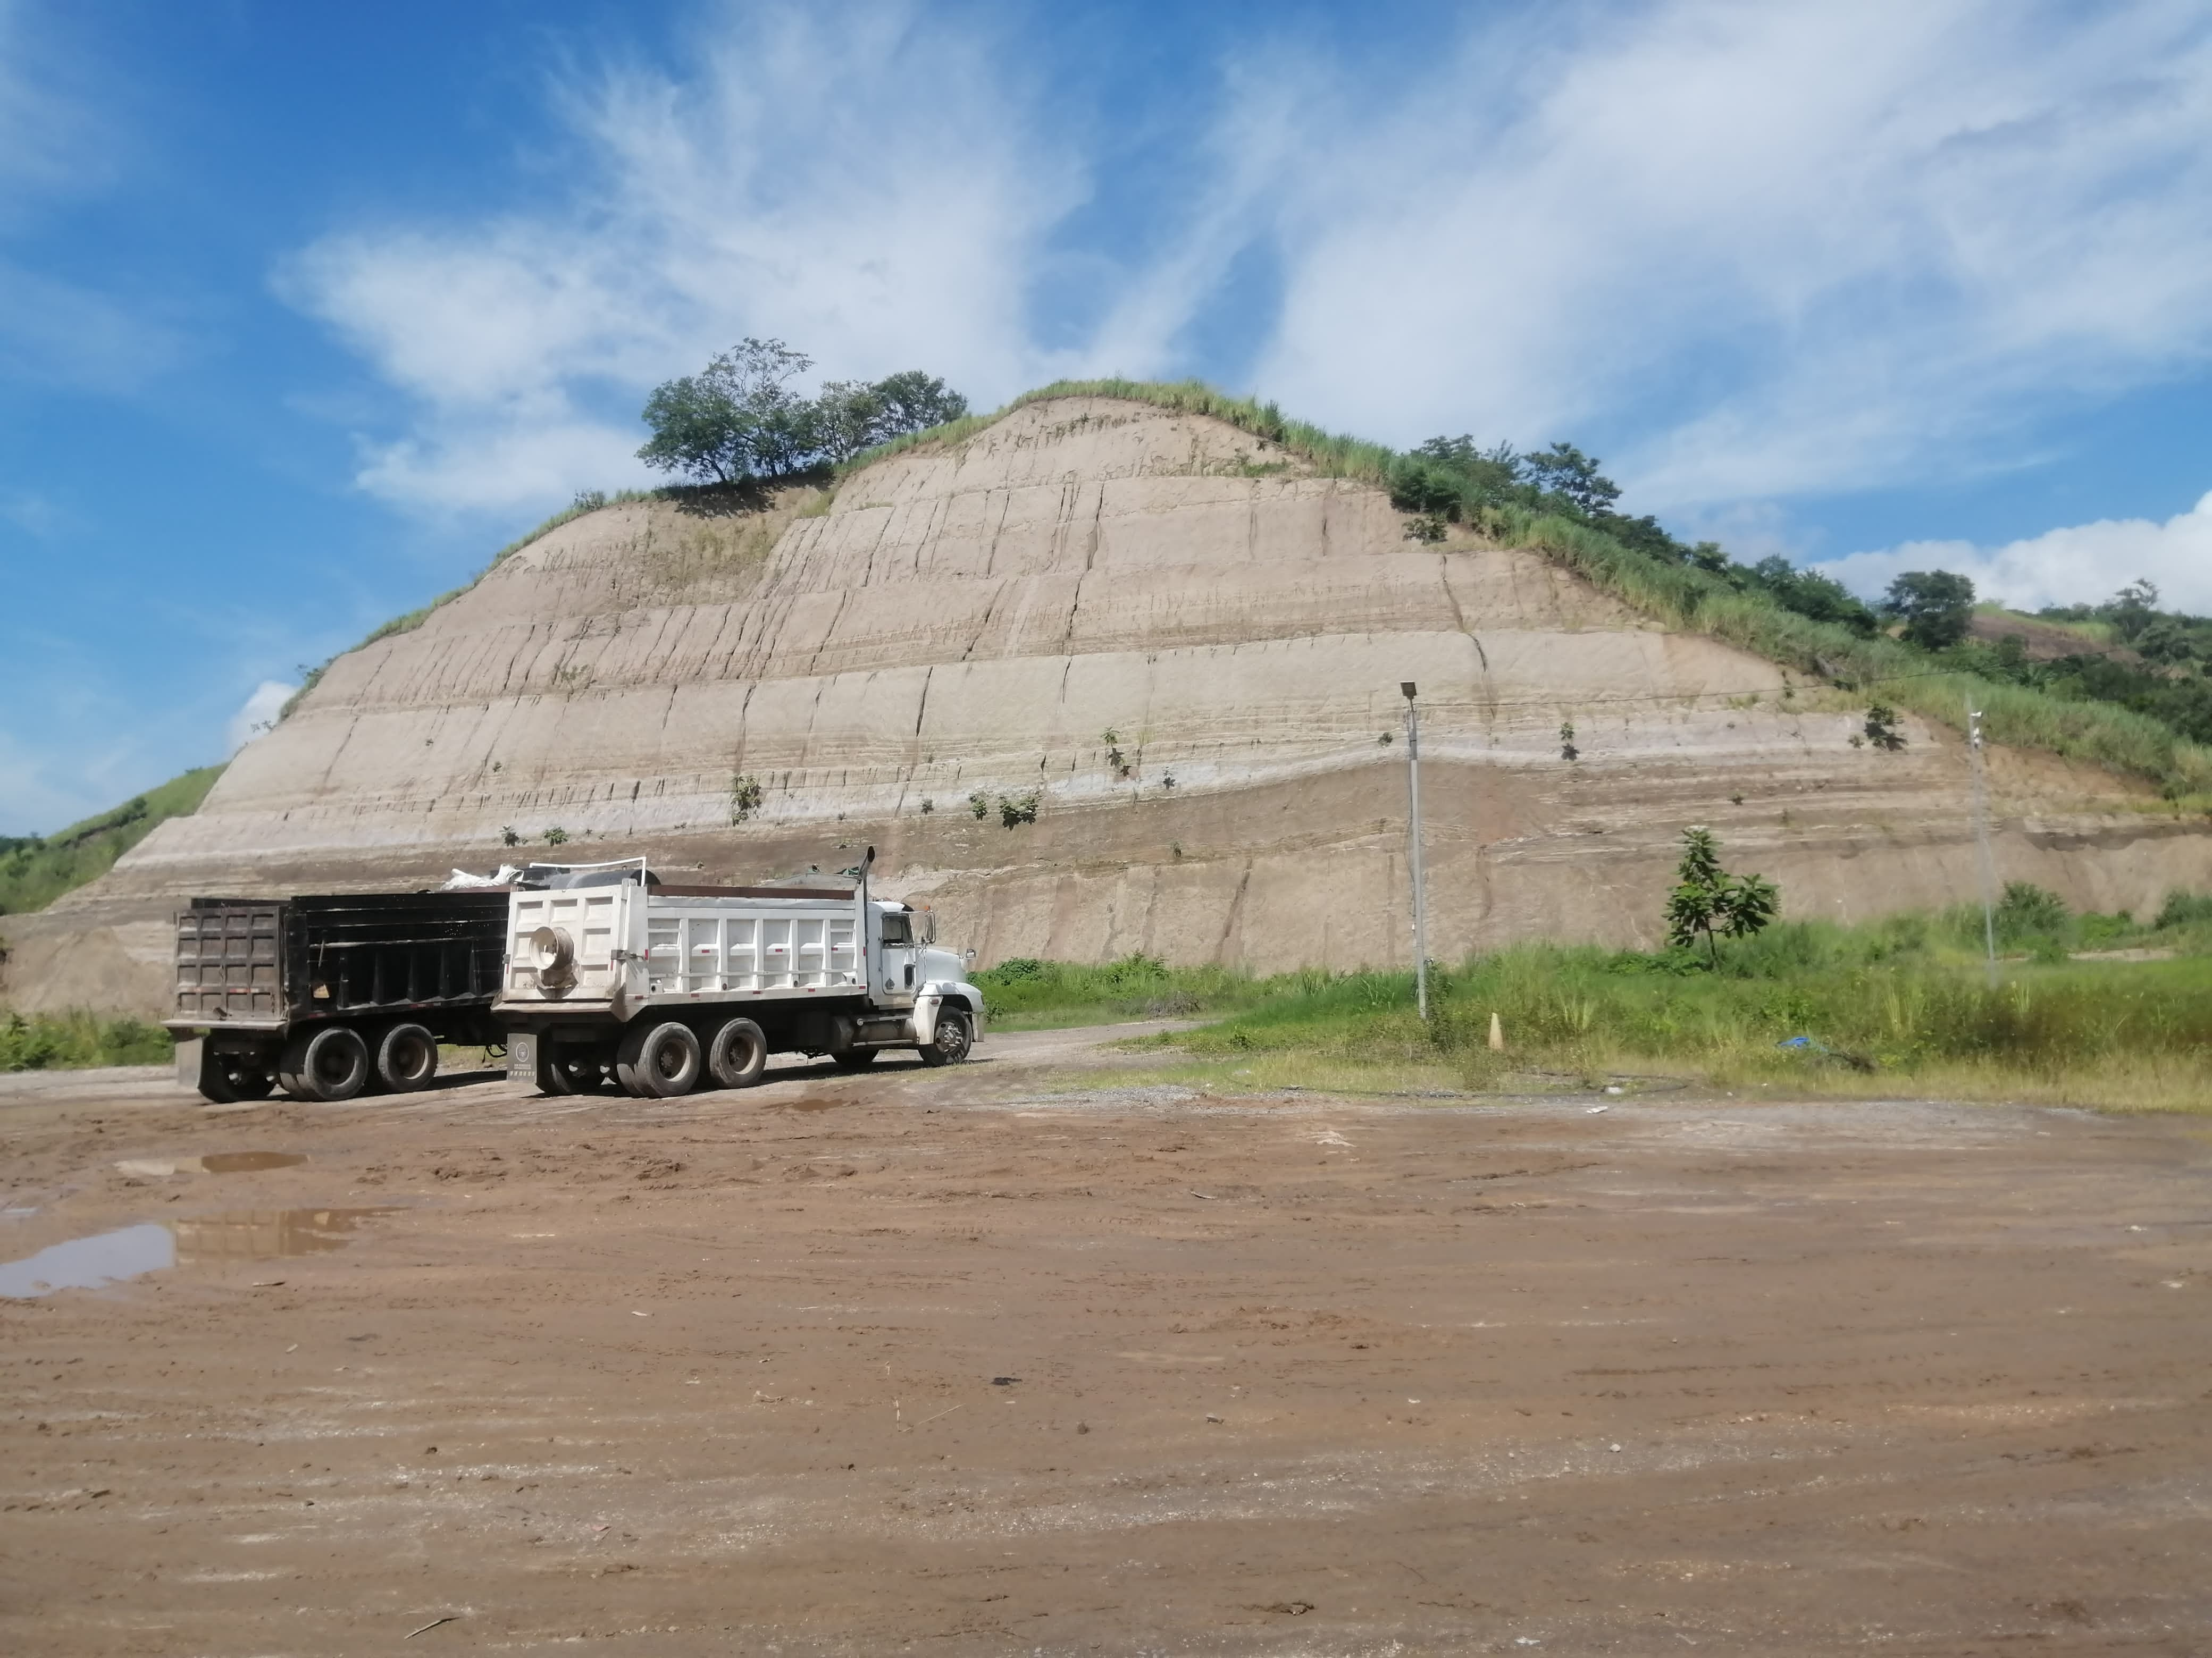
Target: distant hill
35 870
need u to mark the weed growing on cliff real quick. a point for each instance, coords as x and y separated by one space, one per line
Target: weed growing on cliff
1567 749
745 797
556 836
1016 809
1881 728
928 806
507 836
980 803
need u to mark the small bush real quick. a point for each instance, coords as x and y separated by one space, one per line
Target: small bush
73 1041
745 797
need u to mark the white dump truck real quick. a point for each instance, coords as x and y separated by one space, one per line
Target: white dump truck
615 978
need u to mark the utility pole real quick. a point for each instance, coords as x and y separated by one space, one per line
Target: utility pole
1981 835
1413 829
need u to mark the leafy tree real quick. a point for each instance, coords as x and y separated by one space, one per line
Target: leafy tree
739 418
1708 901
1564 470
2132 609
2166 639
734 418
1935 606
915 402
1812 594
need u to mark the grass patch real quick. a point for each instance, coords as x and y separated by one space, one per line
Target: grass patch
1903 1004
35 870
40 1041
1028 994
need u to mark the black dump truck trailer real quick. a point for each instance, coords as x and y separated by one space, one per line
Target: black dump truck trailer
331 996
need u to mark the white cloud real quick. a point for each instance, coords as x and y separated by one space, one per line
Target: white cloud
259 713
2082 564
1792 248
853 181
1752 251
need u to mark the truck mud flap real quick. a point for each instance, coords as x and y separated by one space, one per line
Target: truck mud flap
188 1063
522 1056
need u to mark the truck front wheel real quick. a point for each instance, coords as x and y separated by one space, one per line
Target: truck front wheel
329 1064
954 1037
658 1062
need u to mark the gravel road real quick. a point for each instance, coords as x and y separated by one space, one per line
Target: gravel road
1044 1354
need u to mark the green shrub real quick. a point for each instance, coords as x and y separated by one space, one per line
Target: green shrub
44 1042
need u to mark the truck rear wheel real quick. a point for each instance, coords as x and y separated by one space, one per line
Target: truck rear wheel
952 1042
406 1057
738 1054
658 1062
226 1078
329 1064
575 1070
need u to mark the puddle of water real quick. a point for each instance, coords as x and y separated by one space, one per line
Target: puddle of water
216 1162
110 1257
86 1263
249 1163
263 1234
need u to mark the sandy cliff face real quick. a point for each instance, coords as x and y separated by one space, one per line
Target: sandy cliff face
973 621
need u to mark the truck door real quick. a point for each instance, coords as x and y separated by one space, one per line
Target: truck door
897 961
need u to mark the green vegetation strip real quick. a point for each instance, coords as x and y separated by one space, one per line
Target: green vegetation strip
35 870
41 1041
1902 1004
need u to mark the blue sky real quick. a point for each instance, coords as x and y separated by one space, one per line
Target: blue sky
305 310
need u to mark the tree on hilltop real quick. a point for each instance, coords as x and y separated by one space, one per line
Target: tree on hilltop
739 418
1935 605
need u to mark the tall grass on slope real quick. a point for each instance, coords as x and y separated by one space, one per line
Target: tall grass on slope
1693 600
1688 598
1331 454
35 871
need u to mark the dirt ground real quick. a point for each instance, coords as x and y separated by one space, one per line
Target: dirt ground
1022 1357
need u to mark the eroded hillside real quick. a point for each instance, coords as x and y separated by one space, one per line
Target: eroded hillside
973 620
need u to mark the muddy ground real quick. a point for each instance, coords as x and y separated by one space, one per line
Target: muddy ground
963 1361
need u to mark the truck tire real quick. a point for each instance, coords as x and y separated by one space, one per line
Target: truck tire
576 1071
954 1037
328 1064
658 1061
406 1057
738 1055
226 1079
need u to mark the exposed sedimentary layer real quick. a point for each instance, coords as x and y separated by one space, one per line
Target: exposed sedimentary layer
973 621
